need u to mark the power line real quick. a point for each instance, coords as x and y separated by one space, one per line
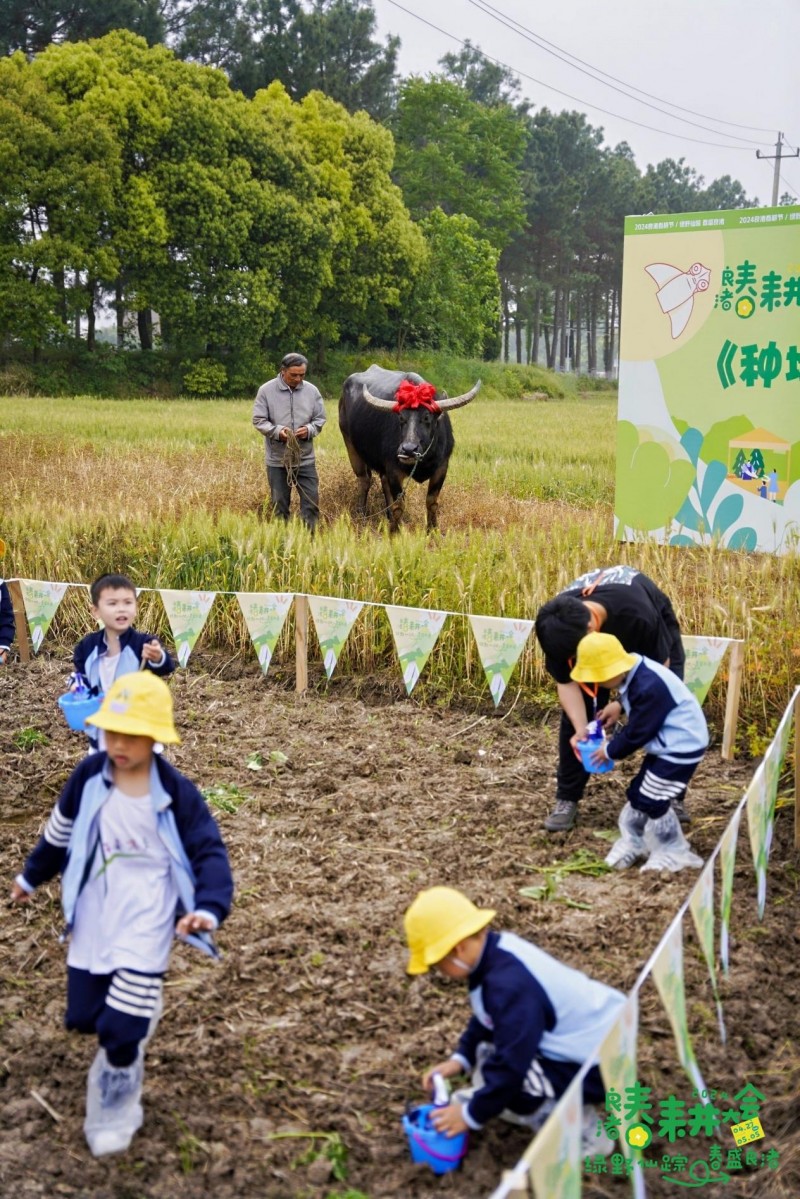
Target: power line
543 43
564 56
559 92
791 190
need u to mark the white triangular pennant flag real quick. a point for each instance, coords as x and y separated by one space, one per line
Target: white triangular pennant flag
554 1158
333 620
667 970
703 657
41 602
265 614
727 862
701 904
500 642
187 612
415 632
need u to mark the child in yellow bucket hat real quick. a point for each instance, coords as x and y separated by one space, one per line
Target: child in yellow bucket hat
535 1020
141 859
667 722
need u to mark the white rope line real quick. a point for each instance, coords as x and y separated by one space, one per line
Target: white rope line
338 599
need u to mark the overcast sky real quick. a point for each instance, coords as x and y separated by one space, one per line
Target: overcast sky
728 60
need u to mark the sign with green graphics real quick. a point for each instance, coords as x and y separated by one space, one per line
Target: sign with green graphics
701 904
187 612
41 601
708 433
500 643
554 1158
759 825
415 632
667 973
703 656
333 620
619 1067
727 861
264 614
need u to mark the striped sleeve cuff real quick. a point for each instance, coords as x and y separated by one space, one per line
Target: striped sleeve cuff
58 829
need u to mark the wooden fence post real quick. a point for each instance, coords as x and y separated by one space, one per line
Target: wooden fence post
301 642
732 702
20 620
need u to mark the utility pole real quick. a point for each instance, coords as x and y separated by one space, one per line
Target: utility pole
778 156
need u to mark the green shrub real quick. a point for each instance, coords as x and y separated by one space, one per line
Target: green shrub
206 377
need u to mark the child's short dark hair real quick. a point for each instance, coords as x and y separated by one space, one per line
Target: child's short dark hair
106 583
560 625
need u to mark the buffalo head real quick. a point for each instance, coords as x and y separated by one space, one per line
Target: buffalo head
418 407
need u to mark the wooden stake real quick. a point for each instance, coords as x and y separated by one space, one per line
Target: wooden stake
20 620
301 642
732 702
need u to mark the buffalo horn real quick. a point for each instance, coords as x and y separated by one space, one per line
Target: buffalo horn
386 405
444 404
459 401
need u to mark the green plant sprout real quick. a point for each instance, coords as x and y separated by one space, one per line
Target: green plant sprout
584 862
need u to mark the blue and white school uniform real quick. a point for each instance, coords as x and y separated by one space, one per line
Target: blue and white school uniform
92 659
129 867
535 1022
667 722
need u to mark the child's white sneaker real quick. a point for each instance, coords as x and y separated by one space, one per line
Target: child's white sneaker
113 1104
630 846
667 845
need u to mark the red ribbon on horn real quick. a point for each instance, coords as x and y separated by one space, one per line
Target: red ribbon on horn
415 395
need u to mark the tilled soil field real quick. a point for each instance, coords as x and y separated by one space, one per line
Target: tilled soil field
283 1071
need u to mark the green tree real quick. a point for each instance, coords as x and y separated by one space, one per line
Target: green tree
328 47
374 249
455 302
31 25
460 156
484 81
241 223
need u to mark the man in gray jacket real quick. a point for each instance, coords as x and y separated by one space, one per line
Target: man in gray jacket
290 414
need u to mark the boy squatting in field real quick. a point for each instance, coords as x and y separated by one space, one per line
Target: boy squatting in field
618 600
117 648
535 1020
136 846
665 720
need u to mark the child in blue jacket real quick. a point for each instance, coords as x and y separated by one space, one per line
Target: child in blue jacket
141 859
667 722
535 1020
117 648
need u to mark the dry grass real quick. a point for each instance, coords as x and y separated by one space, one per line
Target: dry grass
189 512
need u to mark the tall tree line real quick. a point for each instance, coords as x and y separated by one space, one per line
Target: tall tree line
254 170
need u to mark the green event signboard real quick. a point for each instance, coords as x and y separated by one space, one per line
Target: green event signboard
708 434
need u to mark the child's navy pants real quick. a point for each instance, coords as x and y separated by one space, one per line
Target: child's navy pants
118 1007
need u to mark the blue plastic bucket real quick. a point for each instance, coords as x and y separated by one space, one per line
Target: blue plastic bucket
586 749
77 707
429 1147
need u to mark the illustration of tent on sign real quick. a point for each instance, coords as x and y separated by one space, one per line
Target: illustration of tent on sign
759 442
676 290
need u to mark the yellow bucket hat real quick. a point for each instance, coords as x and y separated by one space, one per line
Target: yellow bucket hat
601 656
140 705
436 921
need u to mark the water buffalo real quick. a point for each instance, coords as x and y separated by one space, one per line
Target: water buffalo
396 424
